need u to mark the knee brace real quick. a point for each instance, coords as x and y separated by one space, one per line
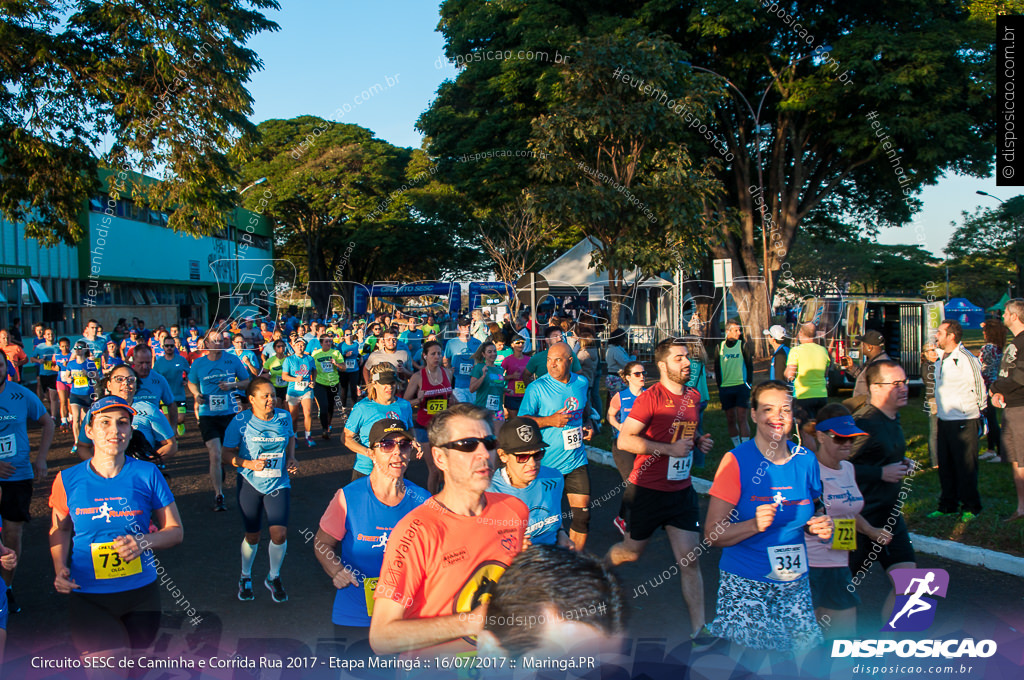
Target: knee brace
580 520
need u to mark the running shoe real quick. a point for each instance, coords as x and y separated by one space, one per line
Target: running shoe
310 443
245 593
219 505
939 513
988 455
12 605
327 434
276 589
968 516
74 449
620 524
704 639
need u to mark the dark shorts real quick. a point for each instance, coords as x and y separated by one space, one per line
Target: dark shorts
899 550
737 396
512 402
252 504
1013 434
16 500
810 406
106 621
214 427
829 588
578 481
647 510
48 382
83 400
281 393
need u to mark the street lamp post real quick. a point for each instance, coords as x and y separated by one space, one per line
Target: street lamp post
758 127
261 180
1016 239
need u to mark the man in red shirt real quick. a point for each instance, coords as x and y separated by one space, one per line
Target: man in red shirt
662 431
443 558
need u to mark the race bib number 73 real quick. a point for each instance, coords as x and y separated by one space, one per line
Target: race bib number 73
107 562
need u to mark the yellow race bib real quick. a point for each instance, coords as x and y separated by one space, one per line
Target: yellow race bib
107 563
369 586
436 405
49 365
844 534
519 387
81 381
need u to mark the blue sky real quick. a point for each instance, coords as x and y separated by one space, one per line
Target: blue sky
328 55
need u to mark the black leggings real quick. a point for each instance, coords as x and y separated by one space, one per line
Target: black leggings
347 387
106 621
325 396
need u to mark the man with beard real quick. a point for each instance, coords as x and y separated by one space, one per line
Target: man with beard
661 430
153 387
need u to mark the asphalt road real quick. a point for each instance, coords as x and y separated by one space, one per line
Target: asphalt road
981 604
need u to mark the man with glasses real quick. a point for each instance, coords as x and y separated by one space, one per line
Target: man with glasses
1008 394
521 449
153 387
880 464
174 368
443 558
559 402
960 396
662 432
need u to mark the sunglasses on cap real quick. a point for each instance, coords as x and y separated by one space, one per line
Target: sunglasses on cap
469 444
525 457
389 445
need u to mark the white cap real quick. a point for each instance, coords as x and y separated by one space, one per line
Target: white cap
776 331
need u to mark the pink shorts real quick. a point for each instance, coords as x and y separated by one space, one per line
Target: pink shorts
62 387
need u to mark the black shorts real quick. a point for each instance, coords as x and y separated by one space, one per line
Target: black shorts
16 500
737 396
578 481
829 588
214 427
646 510
252 504
105 621
281 393
899 550
82 400
48 382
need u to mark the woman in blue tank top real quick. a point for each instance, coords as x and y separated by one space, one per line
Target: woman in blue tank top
357 524
634 375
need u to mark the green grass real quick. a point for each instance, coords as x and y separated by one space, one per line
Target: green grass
995 483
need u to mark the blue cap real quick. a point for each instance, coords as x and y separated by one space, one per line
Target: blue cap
110 402
840 425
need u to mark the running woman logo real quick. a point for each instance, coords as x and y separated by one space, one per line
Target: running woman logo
914 610
572 405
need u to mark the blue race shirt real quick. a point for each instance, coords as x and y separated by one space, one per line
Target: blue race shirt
368 526
102 509
82 376
266 439
544 397
97 346
626 399
154 389
17 405
543 496
174 371
747 479
148 419
367 412
301 368
47 353
350 352
251 357
460 356
208 374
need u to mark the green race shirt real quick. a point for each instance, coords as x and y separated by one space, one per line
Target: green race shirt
326 371
492 391
811 361
731 360
274 366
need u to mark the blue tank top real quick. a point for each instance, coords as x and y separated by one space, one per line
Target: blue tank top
626 399
368 525
771 370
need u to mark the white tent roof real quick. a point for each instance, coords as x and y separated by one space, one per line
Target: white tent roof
573 268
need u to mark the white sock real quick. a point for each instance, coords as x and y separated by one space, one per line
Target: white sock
276 558
735 441
248 557
308 434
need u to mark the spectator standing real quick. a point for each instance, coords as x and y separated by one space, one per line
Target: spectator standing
734 369
776 336
1008 394
991 356
929 355
807 366
871 348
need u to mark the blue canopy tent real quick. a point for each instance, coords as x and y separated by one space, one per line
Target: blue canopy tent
967 313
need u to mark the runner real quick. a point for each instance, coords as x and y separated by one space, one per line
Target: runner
192 341
699 377
421 594
212 379
272 369
634 375
734 369
43 355
514 366
349 377
17 471
458 356
14 353
357 524
93 339
487 382
173 367
380 403
558 402
299 371
329 362
388 352
260 444
661 431
110 359
62 358
520 450
128 344
430 392
8 562
153 387
765 498
83 374
246 356
160 445
109 572
538 364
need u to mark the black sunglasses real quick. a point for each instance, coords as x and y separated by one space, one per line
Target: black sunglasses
639 373
469 444
389 445
525 457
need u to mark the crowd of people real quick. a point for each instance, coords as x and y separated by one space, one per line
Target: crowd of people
502 430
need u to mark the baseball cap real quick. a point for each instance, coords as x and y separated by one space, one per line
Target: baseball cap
519 435
844 426
388 426
133 331
776 331
463 321
110 402
872 338
385 378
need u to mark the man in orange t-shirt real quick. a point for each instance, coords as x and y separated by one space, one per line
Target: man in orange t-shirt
443 558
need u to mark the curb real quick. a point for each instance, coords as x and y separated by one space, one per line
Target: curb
951 550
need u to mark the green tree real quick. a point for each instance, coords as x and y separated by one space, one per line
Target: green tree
161 83
984 251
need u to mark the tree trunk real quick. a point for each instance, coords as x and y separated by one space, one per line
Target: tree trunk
752 306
